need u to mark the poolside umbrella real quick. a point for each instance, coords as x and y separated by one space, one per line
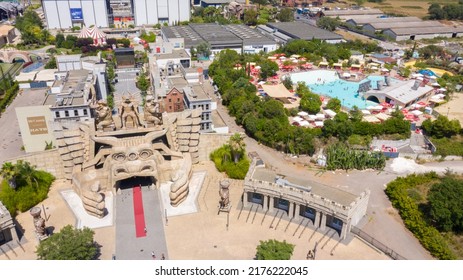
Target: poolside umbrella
302 114
346 75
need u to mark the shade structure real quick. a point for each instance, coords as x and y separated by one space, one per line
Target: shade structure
302 114
417 113
366 112
346 75
320 116
318 124
97 36
298 119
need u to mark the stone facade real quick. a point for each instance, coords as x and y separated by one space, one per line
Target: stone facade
49 161
7 226
323 205
210 142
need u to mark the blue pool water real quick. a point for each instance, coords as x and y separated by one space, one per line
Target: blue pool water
327 82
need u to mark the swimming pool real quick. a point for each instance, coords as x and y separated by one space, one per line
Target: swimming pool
327 82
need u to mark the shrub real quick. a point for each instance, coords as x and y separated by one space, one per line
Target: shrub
429 237
223 160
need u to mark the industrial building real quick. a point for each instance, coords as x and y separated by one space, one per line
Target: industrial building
238 37
114 13
283 32
348 13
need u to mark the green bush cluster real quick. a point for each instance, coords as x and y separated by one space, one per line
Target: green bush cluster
27 193
9 96
223 160
340 156
413 218
448 146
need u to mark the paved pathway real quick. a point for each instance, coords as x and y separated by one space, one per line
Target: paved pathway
128 247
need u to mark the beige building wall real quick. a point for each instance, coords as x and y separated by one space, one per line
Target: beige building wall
34 126
209 142
49 161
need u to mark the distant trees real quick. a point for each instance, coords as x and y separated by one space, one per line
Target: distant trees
442 127
268 68
286 15
453 11
274 250
446 204
69 244
328 23
250 17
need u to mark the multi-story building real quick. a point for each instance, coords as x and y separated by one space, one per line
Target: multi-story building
117 13
173 102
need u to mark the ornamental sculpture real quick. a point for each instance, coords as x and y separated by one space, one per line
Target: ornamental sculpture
104 116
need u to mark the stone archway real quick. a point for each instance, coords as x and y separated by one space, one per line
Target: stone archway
21 56
128 183
373 99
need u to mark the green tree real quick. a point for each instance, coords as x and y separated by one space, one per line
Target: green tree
203 50
250 17
288 83
143 83
69 244
310 102
285 15
267 68
334 104
51 64
356 114
446 204
442 127
328 23
59 40
237 146
274 250
435 12
9 173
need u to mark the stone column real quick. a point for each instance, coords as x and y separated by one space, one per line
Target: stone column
317 219
345 229
265 200
323 221
297 211
245 199
291 210
271 204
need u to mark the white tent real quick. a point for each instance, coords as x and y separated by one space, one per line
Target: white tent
319 124
366 112
417 113
302 114
304 123
346 75
320 116
312 117
330 113
298 119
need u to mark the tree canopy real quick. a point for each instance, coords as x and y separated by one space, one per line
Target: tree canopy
328 23
285 15
267 68
274 250
442 127
69 244
446 204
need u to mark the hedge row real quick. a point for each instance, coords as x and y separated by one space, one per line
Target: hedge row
8 97
429 237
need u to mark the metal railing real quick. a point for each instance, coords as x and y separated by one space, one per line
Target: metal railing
377 244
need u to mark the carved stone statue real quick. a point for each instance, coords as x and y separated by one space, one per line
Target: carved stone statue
129 110
152 114
104 115
93 201
224 195
39 223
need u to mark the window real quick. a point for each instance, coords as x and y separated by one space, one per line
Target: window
178 99
76 113
207 106
194 106
177 108
57 114
66 113
85 112
170 99
170 107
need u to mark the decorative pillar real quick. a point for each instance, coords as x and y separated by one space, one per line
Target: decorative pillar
291 209
316 223
297 211
245 199
265 200
345 229
323 221
271 204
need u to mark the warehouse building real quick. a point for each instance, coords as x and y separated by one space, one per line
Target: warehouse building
237 37
348 13
417 33
283 32
360 21
117 13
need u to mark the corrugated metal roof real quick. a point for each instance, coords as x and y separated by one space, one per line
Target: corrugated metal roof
333 13
424 30
361 20
300 30
386 25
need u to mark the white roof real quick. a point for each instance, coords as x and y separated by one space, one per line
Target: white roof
319 124
298 119
320 116
312 117
366 112
304 123
302 113
46 75
24 77
416 113
402 91
330 113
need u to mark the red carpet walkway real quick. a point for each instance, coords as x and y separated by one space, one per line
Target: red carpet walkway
138 212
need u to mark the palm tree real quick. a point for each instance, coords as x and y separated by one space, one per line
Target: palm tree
237 146
27 172
9 173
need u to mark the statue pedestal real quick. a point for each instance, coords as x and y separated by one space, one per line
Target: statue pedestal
225 208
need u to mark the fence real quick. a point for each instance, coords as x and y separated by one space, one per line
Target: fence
375 243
